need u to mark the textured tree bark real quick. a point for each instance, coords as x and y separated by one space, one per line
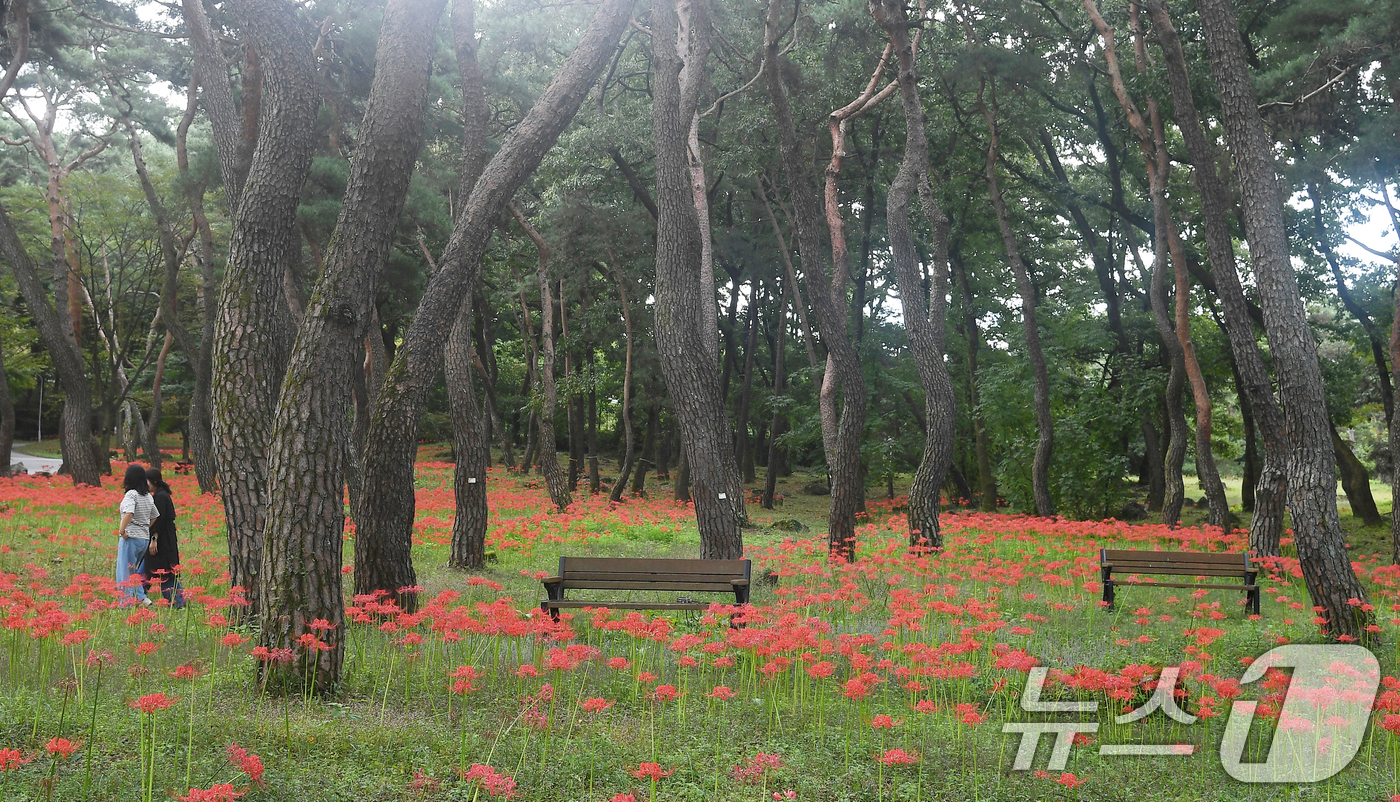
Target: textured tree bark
469 440
198 439
1040 374
683 345
549 455
778 425
986 478
924 310
1156 476
7 415
594 480
1310 466
843 363
211 70
306 461
79 455
251 332
625 467
1267 525
384 528
741 415
151 437
470 443
1356 481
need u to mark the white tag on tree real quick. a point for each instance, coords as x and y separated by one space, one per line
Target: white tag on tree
723 496
471 480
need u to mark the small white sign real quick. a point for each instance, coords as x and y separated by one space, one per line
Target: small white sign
723 496
471 480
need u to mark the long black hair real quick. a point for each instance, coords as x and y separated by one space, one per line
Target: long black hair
154 478
135 479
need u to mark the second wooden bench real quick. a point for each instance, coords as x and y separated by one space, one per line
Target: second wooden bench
1178 563
625 573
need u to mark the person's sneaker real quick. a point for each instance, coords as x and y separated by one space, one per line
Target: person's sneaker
146 602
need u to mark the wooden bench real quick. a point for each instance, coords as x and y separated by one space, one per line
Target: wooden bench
614 573
1178 563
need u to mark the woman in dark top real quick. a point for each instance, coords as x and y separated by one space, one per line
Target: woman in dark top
163 562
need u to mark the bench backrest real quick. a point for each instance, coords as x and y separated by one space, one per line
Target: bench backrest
622 573
1176 563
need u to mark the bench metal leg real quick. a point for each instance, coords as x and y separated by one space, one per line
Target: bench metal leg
1106 575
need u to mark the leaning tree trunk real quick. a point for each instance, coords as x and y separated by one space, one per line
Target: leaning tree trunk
843 363
549 456
383 538
79 454
986 479
1040 374
1267 525
470 444
1356 481
251 333
683 344
1311 466
924 309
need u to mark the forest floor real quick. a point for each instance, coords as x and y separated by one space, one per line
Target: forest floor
887 679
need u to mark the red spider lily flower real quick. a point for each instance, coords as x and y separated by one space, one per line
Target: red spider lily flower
11 759
1068 780
152 702
247 762
76 637
898 757
320 625
424 784
233 640
785 795
883 722
622 798
926 706
96 658
666 693
619 663
491 781
646 677
652 771
751 772
720 692
62 748
223 792
527 671
596 704
145 648
186 671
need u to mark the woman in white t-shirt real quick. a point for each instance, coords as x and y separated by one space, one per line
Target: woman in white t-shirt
137 509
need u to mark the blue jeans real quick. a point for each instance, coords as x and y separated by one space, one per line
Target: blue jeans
130 553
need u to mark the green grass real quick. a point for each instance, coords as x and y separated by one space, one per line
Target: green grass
394 715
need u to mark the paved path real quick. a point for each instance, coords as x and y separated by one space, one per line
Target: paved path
32 463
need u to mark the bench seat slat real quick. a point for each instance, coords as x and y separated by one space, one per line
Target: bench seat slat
711 587
637 576
572 604
646 566
1176 570
1127 555
1182 585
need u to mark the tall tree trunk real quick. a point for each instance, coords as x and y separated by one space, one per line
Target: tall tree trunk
639 473
1311 466
152 434
1267 525
7 415
79 452
383 559
986 478
1040 374
1156 476
594 480
198 442
682 302
306 461
549 456
625 467
924 309
779 421
252 329
843 363
741 422
470 444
